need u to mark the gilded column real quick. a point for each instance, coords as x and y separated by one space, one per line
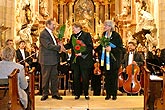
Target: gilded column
55 10
96 16
70 12
61 12
106 10
65 13
133 11
50 8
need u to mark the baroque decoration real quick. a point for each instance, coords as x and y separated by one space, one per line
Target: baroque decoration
134 20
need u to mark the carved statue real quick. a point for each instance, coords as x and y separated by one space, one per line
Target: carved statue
28 15
25 34
43 9
84 14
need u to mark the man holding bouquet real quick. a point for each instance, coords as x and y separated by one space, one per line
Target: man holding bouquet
109 52
81 60
49 50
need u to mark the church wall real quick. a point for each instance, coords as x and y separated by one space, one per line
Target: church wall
6 19
161 24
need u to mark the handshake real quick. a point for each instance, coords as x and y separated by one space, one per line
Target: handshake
62 49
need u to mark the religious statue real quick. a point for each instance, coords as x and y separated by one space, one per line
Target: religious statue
43 9
84 13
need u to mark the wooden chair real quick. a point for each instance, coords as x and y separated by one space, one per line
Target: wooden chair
70 81
62 76
3 87
13 91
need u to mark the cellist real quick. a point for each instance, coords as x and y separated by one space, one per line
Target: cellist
131 57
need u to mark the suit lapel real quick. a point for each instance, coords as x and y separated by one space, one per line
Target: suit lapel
50 36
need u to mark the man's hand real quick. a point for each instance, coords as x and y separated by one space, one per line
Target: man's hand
62 47
78 54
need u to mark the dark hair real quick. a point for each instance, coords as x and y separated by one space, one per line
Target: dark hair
8 40
132 43
22 41
35 46
77 24
49 21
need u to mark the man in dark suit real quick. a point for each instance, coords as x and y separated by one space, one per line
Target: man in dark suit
49 58
84 62
22 56
132 57
137 58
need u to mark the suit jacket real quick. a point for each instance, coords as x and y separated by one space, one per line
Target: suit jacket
87 61
48 51
117 52
138 57
19 57
6 67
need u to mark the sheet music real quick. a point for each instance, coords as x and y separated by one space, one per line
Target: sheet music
154 77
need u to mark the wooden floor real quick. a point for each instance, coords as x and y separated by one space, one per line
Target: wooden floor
95 103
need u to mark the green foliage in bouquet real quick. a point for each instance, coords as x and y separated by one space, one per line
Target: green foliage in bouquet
61 32
104 41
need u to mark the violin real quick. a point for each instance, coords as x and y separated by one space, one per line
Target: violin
120 77
132 85
97 70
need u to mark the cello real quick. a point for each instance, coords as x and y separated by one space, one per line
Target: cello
132 85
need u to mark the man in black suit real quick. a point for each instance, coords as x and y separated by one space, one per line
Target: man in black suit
22 56
49 58
84 62
132 57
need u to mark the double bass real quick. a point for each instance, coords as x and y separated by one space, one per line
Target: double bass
132 85
120 77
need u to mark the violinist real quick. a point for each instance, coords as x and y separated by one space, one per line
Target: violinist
132 57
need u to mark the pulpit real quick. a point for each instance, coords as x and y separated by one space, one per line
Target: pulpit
153 86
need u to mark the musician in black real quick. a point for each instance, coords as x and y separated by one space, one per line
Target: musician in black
132 57
22 56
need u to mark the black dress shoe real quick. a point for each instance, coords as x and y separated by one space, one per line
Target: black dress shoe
87 97
107 97
77 97
44 98
114 98
57 97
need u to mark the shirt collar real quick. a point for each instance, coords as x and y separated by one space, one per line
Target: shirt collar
50 31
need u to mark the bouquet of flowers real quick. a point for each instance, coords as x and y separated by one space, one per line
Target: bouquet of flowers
61 32
104 41
78 47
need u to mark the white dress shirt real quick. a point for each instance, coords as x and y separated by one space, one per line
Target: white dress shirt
23 53
50 32
130 58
